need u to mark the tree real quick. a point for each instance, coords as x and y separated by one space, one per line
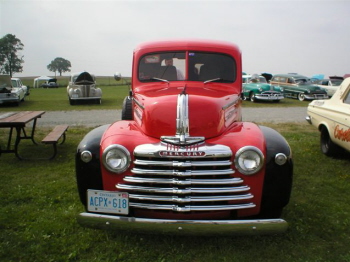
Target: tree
59 65
9 61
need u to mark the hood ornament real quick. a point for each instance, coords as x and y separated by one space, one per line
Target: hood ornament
182 136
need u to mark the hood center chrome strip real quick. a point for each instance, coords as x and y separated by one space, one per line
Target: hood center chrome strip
182 136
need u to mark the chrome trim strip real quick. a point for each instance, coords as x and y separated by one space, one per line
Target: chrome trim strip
186 182
191 208
230 104
188 199
153 150
182 164
138 103
186 173
182 136
183 227
183 191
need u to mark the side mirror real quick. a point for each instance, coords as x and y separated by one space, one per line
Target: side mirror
117 76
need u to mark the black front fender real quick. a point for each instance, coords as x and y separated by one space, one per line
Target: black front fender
278 178
89 174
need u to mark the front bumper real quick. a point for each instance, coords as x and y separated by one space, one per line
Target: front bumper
269 96
184 227
5 98
308 119
85 97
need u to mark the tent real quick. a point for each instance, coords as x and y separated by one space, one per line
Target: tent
41 78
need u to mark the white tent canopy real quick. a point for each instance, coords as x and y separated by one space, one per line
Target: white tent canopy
41 78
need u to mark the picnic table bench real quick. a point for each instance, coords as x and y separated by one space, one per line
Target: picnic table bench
18 120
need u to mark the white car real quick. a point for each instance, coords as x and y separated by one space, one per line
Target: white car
19 88
12 91
82 87
330 85
332 119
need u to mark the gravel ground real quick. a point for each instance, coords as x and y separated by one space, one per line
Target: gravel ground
100 117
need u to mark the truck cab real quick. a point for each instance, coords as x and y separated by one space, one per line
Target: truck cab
181 160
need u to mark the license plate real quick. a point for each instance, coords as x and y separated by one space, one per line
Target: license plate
75 96
108 202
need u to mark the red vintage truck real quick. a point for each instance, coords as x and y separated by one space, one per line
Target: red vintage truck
181 160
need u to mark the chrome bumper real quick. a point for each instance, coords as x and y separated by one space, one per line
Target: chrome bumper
315 97
308 119
183 227
269 97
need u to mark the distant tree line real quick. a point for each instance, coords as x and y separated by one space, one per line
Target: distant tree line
11 62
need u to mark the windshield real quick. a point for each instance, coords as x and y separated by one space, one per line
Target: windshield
336 82
303 81
258 79
15 83
191 66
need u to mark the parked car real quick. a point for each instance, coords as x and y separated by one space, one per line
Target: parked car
19 88
51 83
246 78
257 88
330 85
11 90
181 160
332 118
82 87
298 86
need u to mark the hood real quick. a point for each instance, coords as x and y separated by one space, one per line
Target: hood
84 78
5 84
180 115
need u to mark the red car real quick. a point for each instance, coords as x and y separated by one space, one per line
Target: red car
181 160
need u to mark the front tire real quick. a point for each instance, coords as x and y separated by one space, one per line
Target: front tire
301 96
327 146
127 109
252 97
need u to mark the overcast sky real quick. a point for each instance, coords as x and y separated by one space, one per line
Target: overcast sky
307 37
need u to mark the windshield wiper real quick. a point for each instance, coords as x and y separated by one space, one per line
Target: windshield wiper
212 80
159 79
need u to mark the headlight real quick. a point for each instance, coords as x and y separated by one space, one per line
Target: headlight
116 158
249 160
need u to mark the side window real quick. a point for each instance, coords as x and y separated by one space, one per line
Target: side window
275 79
347 98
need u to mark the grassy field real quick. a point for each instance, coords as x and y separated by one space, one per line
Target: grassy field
113 94
39 203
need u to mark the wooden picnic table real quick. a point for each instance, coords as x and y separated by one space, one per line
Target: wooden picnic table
17 121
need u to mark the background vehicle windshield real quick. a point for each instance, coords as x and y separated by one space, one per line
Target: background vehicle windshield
200 67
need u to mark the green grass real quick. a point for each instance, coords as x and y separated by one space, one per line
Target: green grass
56 99
39 203
113 94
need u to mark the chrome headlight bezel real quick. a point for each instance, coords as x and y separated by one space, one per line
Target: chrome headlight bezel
249 155
121 157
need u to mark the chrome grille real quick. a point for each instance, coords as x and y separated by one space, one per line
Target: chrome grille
185 179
